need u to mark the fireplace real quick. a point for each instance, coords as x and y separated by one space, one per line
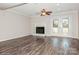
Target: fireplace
40 30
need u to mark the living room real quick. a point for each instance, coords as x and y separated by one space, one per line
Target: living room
39 28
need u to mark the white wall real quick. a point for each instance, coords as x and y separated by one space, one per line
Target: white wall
78 23
13 25
48 20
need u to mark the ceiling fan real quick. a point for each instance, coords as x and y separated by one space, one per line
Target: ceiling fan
44 12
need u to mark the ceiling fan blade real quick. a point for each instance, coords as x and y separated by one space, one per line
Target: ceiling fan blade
49 11
44 12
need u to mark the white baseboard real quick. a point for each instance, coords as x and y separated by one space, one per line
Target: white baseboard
34 35
56 35
10 38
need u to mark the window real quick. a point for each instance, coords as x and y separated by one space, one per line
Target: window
65 25
55 25
61 25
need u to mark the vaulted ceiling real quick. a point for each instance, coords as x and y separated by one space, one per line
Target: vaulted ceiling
30 9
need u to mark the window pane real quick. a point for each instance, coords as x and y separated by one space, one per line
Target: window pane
65 25
65 30
55 30
55 25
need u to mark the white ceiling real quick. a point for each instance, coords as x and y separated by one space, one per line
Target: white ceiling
31 9
4 6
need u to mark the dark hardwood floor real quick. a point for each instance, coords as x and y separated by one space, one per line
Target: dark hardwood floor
35 45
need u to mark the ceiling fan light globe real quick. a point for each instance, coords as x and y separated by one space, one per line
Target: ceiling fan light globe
43 13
